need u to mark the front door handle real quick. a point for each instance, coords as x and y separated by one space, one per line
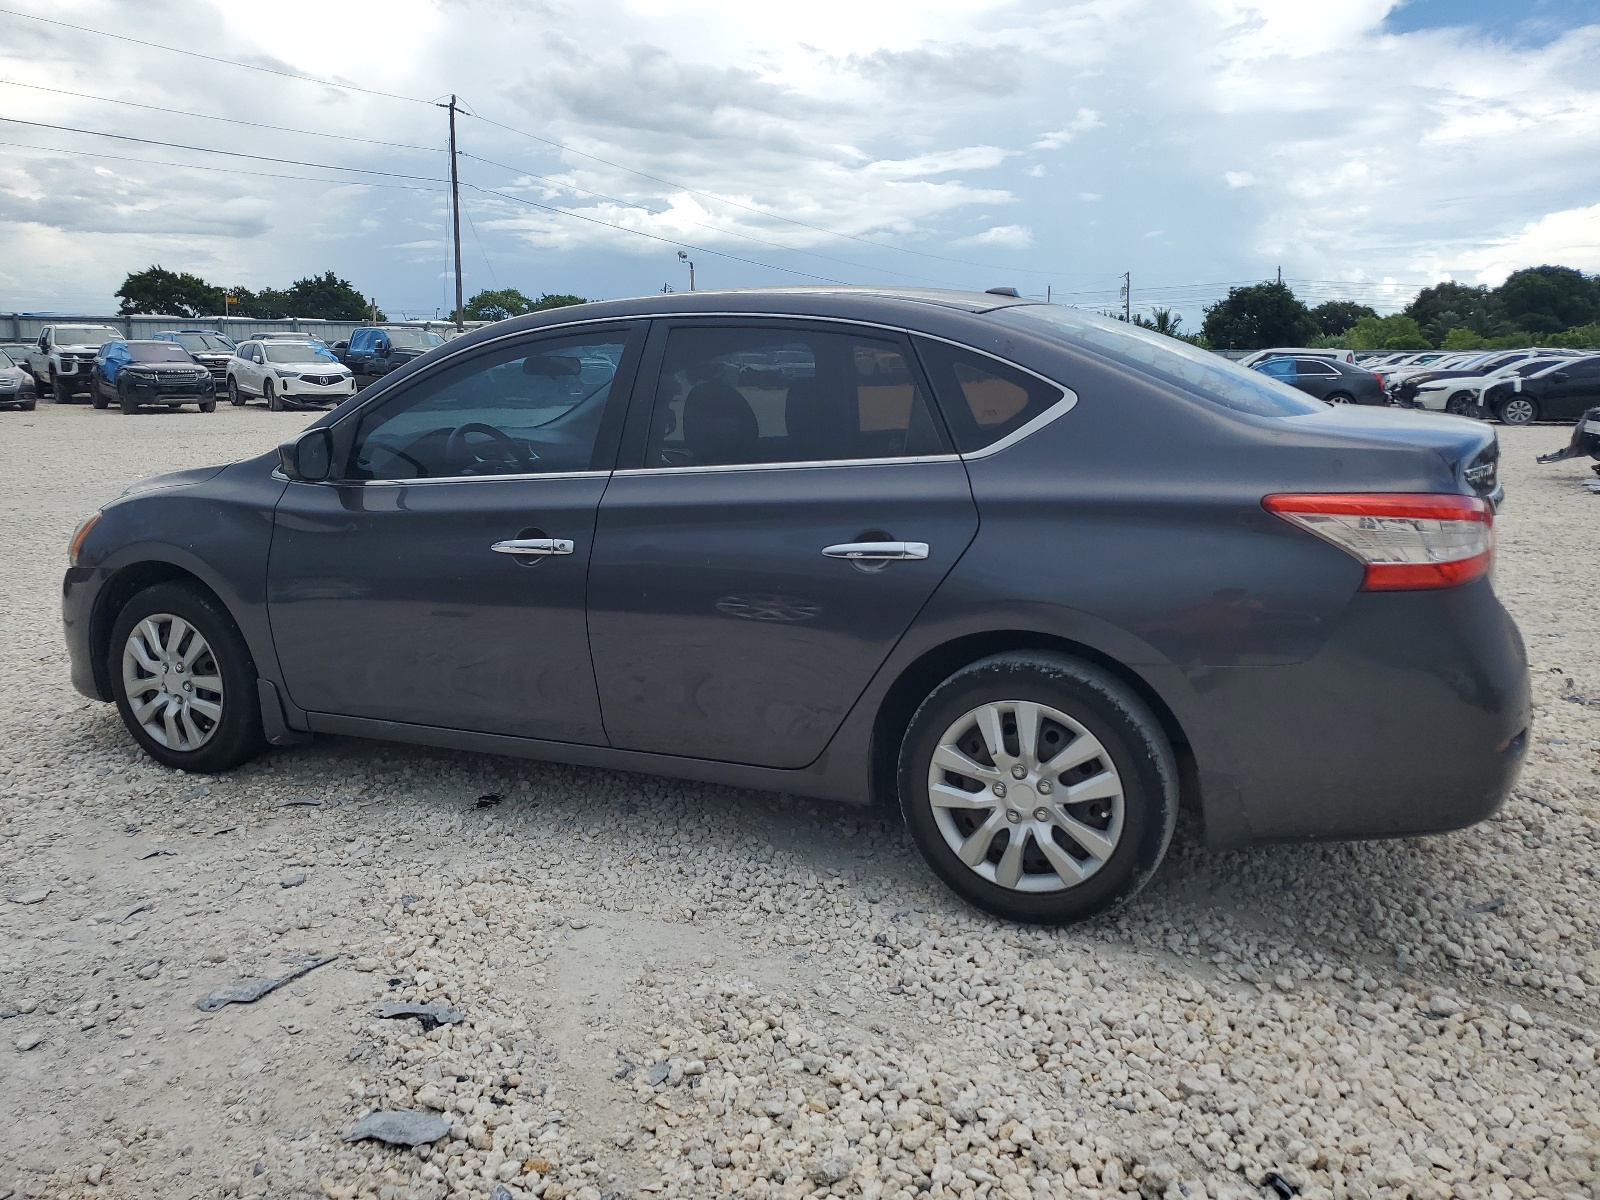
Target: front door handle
533 547
878 551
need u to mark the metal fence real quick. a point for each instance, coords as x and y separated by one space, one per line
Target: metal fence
26 327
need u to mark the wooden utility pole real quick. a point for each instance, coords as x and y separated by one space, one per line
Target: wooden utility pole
455 208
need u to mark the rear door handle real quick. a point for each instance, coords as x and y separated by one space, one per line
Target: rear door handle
533 547
878 551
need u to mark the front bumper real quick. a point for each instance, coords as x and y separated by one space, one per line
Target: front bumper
301 392
17 398
167 391
1412 718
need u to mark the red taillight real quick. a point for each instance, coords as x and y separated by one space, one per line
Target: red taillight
1379 378
1408 541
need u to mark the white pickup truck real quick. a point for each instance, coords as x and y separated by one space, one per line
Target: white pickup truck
62 360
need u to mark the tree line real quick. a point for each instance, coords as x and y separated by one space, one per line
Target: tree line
1538 306
327 297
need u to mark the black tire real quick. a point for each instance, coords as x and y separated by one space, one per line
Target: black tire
234 738
97 389
1459 405
29 405
208 406
59 392
273 403
1519 410
1341 398
235 396
1103 707
128 404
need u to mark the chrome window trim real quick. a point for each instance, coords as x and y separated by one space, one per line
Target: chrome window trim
277 473
807 464
1068 401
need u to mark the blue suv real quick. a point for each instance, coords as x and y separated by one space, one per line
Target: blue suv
150 372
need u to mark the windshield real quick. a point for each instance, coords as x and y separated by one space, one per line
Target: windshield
84 335
157 352
414 339
1175 363
293 352
198 342
6 360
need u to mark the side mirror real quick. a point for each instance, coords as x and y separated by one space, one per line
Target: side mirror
309 458
1561 377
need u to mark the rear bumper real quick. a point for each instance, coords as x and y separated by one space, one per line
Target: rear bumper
1413 718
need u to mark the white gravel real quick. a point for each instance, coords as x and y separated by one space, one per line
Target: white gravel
680 990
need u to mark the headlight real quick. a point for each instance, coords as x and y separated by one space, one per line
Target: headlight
281 373
78 534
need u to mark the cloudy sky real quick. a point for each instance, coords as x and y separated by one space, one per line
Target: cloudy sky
1365 147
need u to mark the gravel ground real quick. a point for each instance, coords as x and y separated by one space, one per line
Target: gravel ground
677 990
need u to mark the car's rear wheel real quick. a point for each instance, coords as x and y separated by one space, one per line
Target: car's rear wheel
1519 410
273 403
1459 405
184 680
1341 398
1038 787
235 397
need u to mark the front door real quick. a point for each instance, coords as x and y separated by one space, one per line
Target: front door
440 581
1568 399
794 505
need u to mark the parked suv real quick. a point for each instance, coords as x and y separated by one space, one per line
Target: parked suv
62 360
287 375
134 374
372 352
208 347
1034 573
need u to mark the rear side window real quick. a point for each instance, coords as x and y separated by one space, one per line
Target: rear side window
784 392
983 399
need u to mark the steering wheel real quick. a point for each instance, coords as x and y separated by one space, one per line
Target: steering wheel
462 457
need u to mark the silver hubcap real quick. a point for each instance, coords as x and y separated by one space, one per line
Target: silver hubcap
173 682
1025 796
1517 412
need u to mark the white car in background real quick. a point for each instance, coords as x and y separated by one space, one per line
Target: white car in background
1464 393
287 375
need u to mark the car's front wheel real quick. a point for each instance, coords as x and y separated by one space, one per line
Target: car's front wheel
208 406
1459 405
184 680
59 391
271 395
1519 410
127 403
1038 787
97 389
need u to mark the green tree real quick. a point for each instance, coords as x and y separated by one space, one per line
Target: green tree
1446 306
1549 299
559 300
1333 317
497 305
1258 316
1582 337
1397 332
1462 338
168 293
327 297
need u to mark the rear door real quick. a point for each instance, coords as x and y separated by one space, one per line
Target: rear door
1317 377
791 504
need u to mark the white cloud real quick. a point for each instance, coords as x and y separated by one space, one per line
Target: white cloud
1014 236
1570 238
1239 179
1089 196
1086 120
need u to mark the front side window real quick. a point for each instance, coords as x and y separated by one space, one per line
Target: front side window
786 393
529 408
983 399
1277 368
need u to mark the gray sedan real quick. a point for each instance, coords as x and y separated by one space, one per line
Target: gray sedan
1037 577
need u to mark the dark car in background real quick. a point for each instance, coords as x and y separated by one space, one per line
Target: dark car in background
1037 574
373 352
1326 379
210 348
1405 389
17 388
1562 391
149 372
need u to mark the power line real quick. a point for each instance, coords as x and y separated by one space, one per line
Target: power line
178 112
227 62
155 162
293 162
